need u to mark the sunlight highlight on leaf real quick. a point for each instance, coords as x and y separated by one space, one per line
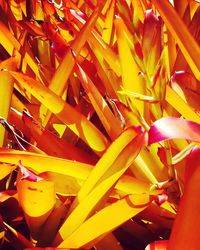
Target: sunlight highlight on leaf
131 205
77 123
186 42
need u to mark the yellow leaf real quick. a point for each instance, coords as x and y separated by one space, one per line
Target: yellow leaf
64 184
110 123
40 163
6 90
37 200
186 42
5 169
45 165
107 161
131 80
111 218
108 170
62 73
108 24
178 103
76 121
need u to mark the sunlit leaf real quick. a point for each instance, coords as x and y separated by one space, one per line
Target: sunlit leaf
186 42
77 123
131 79
108 24
37 199
64 185
61 75
131 205
6 90
103 177
40 163
178 104
186 86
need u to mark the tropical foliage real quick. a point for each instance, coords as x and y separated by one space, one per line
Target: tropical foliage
100 124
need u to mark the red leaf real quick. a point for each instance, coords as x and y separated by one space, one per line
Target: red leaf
174 128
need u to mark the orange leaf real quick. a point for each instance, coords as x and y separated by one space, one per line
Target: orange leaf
76 122
58 146
186 42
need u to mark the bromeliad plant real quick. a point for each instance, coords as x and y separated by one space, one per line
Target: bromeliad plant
100 124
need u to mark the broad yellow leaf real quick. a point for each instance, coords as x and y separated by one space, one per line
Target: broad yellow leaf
41 163
106 173
112 217
37 199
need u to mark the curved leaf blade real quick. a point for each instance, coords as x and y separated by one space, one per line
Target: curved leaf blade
172 128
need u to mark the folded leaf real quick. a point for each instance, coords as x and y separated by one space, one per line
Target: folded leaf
37 200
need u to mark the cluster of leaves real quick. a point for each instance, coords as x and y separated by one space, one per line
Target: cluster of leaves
100 124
